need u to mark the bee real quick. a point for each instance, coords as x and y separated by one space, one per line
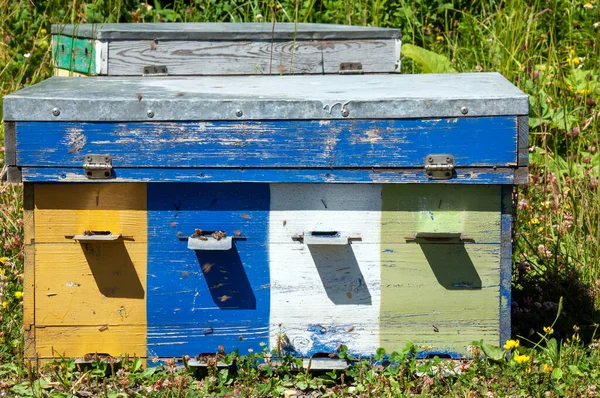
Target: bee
218 235
207 267
173 224
349 294
139 97
180 93
435 329
246 216
153 46
351 329
284 222
224 298
237 232
197 233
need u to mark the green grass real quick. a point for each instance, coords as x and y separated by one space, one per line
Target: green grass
549 49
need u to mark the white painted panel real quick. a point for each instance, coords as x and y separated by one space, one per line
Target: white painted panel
325 295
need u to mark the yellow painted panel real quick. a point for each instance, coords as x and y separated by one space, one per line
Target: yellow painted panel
444 295
67 73
91 283
69 209
28 301
77 341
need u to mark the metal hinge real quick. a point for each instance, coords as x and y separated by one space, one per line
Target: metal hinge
439 167
155 70
97 166
351 68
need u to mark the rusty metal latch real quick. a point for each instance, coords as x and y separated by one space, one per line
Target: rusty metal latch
439 167
351 68
97 166
155 70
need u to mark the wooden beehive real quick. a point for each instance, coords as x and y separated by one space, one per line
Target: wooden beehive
358 210
223 49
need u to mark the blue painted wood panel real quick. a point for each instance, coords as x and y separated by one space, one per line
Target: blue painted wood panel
271 175
198 300
473 141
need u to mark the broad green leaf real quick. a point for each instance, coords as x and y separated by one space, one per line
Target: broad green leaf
575 370
557 374
494 353
428 61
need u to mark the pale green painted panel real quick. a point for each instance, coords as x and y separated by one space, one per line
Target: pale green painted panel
444 295
472 210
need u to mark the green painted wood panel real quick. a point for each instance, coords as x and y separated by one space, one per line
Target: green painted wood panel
440 294
78 55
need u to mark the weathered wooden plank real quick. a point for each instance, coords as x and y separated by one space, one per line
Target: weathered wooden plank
265 175
441 294
10 150
71 209
77 341
523 140
484 141
245 57
323 296
90 283
506 264
67 73
29 301
201 292
74 54
28 271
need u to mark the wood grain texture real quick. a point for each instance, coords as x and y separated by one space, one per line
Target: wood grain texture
443 295
77 341
90 283
273 175
250 57
323 296
69 209
477 141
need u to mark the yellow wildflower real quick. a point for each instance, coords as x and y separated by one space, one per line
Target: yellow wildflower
4 304
547 368
522 358
3 260
547 204
510 344
21 209
43 31
541 229
548 329
576 328
571 51
1 271
576 60
439 38
18 295
588 5
534 221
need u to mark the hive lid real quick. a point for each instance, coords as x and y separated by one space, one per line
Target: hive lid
266 98
223 31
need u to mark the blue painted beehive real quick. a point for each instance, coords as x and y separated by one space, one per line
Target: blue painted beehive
169 216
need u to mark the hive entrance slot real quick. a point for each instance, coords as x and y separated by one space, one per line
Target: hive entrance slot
324 233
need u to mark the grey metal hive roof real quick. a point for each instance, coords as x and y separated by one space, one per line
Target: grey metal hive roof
223 31
266 97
